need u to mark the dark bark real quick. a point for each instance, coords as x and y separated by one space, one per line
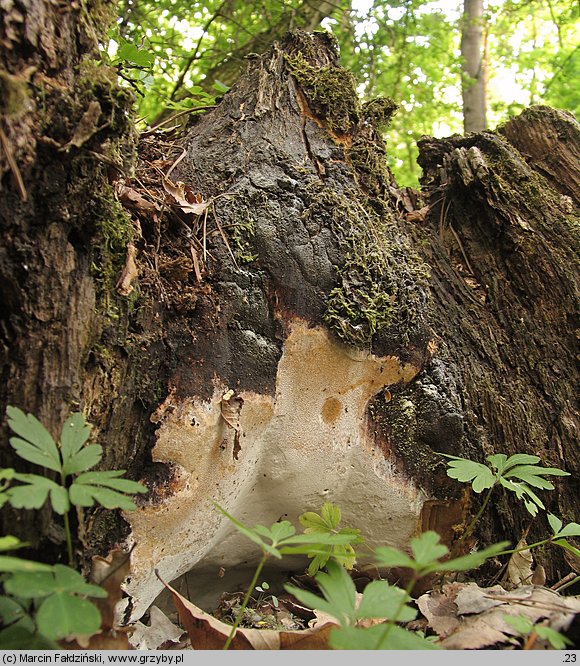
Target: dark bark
503 248
464 312
64 125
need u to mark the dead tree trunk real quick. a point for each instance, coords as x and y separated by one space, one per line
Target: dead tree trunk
288 327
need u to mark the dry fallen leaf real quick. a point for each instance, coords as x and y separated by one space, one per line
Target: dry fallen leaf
160 631
418 215
129 273
185 197
136 201
520 566
440 609
109 572
479 613
208 633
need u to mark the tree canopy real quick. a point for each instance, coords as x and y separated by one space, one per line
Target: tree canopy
179 55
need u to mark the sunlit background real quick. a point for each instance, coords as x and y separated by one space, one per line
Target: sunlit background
173 53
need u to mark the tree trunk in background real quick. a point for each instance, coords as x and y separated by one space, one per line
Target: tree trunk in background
473 87
296 328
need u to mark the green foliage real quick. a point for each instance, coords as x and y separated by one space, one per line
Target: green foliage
72 457
44 603
327 523
9 564
62 609
516 473
332 548
379 601
174 50
284 540
524 626
428 556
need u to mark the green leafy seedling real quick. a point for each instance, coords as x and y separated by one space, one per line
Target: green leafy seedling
263 589
326 523
518 473
428 556
61 593
524 626
380 600
71 459
276 541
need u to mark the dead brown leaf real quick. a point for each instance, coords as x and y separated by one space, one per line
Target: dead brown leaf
129 273
157 634
467 617
188 200
208 633
440 609
418 215
136 201
520 566
109 572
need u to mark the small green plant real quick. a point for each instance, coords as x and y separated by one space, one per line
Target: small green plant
518 473
560 532
70 459
265 594
382 600
525 627
44 603
278 540
327 523
334 549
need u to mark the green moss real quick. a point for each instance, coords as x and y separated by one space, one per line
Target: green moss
369 162
115 231
98 81
240 235
398 420
380 111
382 284
329 90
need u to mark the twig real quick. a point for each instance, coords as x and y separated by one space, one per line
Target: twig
443 216
177 161
567 581
456 235
13 166
224 237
